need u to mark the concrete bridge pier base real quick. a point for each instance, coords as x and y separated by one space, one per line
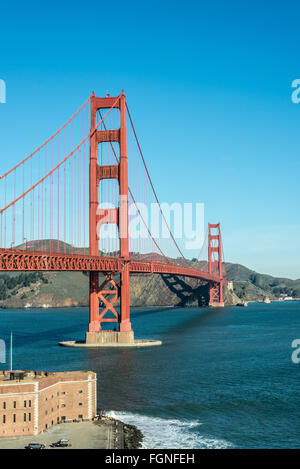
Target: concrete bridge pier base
109 337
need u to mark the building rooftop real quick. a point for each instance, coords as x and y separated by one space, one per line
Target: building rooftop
8 377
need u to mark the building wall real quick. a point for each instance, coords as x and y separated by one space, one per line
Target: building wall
29 409
16 410
66 400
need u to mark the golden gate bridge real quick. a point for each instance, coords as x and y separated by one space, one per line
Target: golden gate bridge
50 213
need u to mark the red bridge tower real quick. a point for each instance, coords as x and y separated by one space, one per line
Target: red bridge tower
118 216
215 264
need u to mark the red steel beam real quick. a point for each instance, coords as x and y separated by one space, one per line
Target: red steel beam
12 260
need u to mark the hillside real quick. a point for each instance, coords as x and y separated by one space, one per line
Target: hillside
249 284
64 289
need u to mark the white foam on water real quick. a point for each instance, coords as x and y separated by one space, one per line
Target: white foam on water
169 433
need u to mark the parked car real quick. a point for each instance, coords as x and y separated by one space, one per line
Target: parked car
35 446
62 443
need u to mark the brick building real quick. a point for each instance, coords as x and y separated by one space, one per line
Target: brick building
33 401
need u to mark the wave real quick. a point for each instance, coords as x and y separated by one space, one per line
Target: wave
169 433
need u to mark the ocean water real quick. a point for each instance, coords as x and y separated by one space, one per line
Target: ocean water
223 378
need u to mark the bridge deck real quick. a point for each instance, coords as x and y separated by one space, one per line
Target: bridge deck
18 260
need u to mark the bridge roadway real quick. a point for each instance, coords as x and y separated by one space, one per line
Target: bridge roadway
19 260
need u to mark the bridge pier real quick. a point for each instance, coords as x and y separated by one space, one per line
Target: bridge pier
108 293
216 294
105 297
107 338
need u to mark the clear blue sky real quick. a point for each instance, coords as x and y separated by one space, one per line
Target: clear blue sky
210 86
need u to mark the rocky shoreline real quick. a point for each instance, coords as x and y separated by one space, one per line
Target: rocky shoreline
125 436
133 437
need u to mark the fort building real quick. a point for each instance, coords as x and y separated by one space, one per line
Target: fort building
33 401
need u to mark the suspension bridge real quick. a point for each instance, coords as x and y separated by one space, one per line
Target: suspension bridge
69 206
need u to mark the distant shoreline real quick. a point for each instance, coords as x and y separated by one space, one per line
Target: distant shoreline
15 308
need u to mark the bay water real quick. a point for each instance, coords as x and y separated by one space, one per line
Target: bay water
223 378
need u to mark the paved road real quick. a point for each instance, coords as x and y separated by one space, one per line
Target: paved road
82 435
